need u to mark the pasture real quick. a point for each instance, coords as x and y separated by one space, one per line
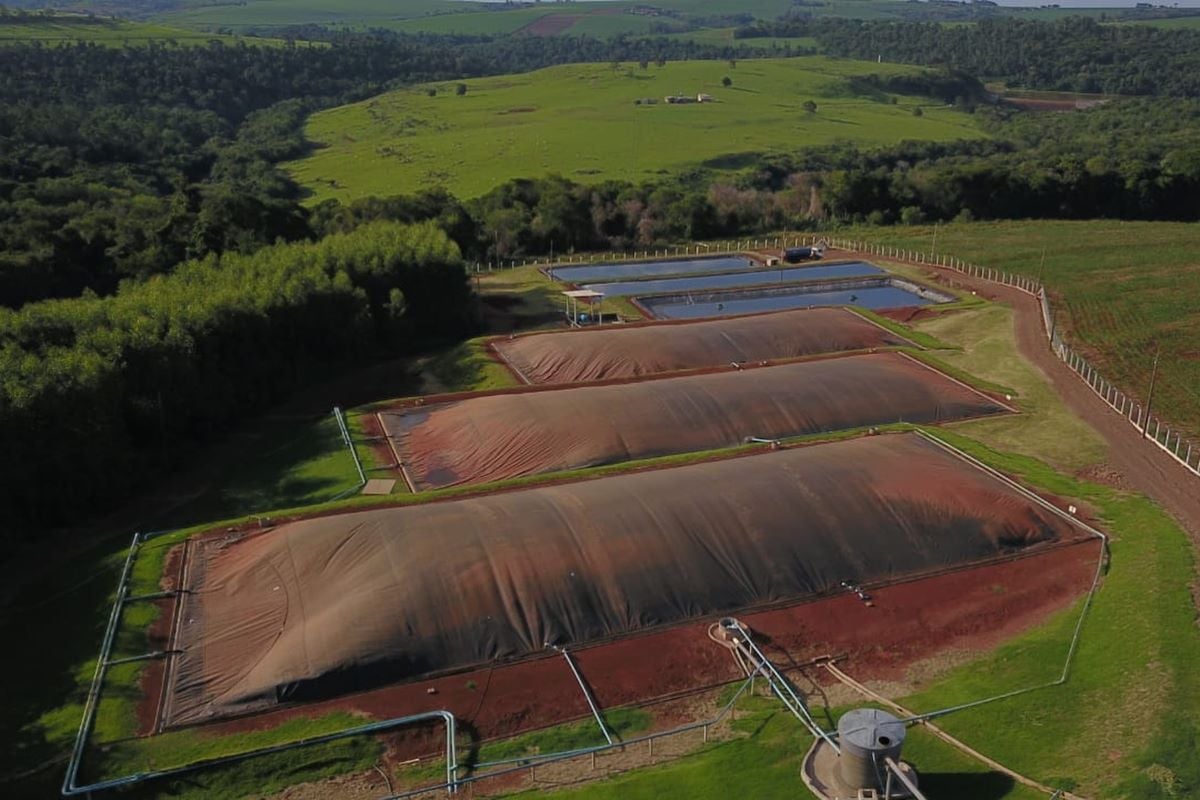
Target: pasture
462 16
582 121
1188 22
1126 288
278 13
723 37
593 19
600 18
68 29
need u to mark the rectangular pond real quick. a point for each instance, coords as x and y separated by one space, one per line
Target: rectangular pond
763 276
588 273
874 294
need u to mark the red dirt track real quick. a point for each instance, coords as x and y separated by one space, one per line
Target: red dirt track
551 24
967 610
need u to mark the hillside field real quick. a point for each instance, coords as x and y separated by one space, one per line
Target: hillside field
462 16
723 37
1126 288
271 13
581 121
1168 22
109 32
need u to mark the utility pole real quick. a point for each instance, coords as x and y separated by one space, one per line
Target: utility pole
933 252
1042 268
1150 394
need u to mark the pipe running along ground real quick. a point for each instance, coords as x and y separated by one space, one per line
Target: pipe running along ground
70 785
528 762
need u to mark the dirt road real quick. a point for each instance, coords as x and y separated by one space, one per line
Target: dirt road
1137 463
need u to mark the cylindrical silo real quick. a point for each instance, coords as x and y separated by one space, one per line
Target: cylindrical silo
867 736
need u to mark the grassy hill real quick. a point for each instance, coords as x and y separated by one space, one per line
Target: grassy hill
581 121
67 28
458 16
591 17
272 13
1126 288
1170 22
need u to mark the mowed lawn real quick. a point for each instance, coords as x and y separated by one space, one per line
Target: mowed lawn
1127 289
581 121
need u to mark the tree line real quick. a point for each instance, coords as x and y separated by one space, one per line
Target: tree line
98 393
1074 54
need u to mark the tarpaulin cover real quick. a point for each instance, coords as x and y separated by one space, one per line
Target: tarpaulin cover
332 604
500 436
600 353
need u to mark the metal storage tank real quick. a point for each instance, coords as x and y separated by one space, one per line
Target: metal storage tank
867 736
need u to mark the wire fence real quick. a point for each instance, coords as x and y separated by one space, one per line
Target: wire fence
1153 428
568 767
348 440
695 250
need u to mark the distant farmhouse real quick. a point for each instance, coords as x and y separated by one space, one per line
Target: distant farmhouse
680 99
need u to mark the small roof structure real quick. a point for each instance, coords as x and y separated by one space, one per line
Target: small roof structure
588 296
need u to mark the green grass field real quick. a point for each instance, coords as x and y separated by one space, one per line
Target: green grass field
575 19
723 37
1175 22
279 13
110 32
1126 288
457 16
581 121
592 17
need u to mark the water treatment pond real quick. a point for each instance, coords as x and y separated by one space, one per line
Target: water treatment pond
763 276
588 273
724 304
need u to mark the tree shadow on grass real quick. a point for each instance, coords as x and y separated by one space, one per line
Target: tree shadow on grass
976 785
58 631
278 463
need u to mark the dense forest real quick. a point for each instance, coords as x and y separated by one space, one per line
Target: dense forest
108 390
1075 54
